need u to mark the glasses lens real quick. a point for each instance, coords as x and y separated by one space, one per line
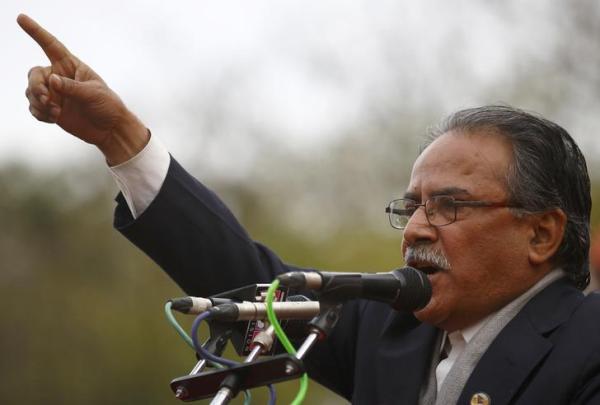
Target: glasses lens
400 212
441 210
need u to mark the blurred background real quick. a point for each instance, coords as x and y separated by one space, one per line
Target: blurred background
304 116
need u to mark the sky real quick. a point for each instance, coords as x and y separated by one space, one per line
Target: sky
300 74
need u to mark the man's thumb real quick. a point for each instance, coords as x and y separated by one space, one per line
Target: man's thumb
67 87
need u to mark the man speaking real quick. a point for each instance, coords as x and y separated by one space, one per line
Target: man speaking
496 214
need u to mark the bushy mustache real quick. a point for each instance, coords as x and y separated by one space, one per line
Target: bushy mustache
427 254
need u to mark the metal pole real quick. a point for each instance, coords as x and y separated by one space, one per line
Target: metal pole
307 344
222 397
198 367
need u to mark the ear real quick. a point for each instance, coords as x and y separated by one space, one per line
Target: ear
548 230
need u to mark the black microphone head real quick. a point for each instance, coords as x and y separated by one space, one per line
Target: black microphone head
416 289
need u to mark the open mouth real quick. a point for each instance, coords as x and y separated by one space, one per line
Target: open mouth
429 270
426 268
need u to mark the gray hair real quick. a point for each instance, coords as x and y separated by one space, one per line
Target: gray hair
548 172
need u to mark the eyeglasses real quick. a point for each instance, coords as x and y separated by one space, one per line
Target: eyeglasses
439 210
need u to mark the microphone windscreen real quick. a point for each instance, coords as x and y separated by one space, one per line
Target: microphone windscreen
415 291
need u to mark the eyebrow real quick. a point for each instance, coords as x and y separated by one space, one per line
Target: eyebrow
443 191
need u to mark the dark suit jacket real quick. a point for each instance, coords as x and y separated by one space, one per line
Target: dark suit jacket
548 354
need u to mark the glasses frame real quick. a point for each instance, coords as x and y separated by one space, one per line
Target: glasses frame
455 203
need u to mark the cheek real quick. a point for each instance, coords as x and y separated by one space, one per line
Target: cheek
477 245
472 261
486 265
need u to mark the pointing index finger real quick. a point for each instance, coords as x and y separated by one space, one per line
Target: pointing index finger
51 46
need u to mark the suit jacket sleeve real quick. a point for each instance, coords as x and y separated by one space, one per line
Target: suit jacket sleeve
192 235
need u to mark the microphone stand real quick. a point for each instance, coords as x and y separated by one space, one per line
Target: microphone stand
320 327
230 385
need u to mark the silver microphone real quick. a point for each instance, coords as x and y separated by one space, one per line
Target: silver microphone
247 311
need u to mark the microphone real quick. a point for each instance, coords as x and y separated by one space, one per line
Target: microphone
405 289
248 311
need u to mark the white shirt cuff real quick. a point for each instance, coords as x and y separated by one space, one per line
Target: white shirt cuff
141 177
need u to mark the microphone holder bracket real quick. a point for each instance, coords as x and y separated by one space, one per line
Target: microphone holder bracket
243 376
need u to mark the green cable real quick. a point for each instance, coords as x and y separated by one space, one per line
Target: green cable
176 325
188 340
284 341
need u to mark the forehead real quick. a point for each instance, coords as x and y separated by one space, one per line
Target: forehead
475 162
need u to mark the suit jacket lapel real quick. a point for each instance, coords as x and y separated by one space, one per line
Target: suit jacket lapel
400 358
521 345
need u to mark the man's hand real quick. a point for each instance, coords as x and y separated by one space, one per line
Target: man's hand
70 94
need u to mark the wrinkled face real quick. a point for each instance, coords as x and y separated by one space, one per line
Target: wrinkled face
486 249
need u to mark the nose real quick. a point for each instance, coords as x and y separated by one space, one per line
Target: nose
418 229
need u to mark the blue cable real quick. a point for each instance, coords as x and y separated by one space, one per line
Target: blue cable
205 354
272 394
202 352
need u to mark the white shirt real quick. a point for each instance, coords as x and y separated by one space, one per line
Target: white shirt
141 177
